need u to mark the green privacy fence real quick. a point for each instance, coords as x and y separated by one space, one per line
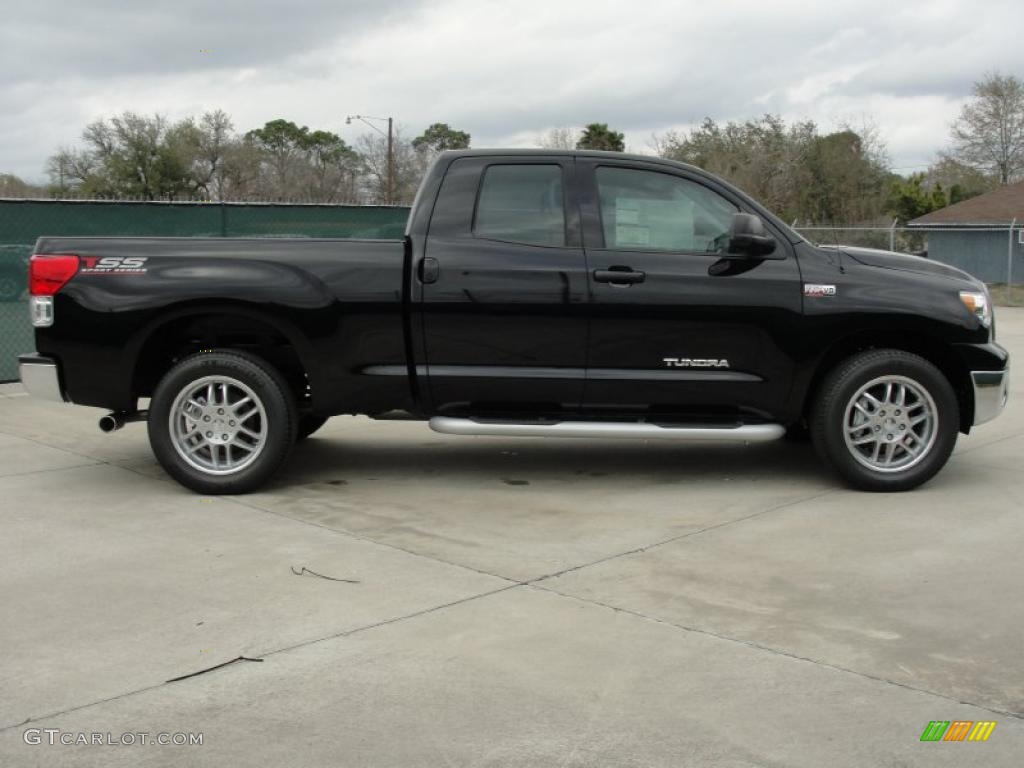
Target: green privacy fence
22 221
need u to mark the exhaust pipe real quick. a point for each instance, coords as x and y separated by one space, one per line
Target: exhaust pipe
112 422
115 420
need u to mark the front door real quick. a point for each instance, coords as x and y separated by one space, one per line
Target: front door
676 330
504 289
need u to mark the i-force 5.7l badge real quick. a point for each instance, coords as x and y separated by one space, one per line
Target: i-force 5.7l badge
816 290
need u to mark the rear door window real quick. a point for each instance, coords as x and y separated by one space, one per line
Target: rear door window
522 204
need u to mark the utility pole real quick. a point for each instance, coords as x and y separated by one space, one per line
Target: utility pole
1009 262
391 163
389 182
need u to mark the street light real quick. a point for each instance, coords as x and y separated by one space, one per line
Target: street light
390 195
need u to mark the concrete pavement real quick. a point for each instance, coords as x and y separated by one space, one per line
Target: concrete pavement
515 602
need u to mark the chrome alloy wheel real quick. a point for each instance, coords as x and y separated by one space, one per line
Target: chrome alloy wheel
890 424
218 425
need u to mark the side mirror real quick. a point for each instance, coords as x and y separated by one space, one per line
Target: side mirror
748 238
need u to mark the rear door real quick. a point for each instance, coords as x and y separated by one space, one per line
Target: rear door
504 288
676 329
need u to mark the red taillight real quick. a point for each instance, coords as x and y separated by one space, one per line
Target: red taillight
47 273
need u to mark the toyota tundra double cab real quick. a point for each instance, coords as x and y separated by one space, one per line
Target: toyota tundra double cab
537 293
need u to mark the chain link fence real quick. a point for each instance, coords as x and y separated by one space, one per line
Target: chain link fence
902 239
22 221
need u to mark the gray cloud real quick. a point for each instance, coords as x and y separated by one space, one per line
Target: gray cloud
505 72
111 38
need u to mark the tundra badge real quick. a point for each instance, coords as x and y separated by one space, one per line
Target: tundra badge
685 362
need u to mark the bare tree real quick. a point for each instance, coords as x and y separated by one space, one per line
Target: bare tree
560 138
242 168
128 155
408 167
69 169
211 140
989 134
139 156
962 181
793 169
333 168
15 186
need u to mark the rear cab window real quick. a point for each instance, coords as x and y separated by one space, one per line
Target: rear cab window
522 203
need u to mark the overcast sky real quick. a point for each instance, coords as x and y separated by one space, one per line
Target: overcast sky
504 71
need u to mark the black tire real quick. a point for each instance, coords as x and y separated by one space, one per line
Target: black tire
829 420
273 395
308 424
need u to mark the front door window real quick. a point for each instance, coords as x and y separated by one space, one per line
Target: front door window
650 211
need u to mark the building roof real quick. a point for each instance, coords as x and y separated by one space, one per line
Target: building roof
999 207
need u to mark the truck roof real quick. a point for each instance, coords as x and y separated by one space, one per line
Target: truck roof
447 157
525 152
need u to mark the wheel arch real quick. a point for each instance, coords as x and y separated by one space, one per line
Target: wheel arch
183 330
934 350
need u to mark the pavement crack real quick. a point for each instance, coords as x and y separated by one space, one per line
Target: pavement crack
679 537
51 469
779 652
263 657
78 707
54 447
94 461
368 540
393 620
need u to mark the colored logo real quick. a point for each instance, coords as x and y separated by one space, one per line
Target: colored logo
958 730
114 265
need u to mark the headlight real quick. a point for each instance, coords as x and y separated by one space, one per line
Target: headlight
979 305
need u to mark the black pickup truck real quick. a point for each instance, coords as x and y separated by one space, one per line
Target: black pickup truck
539 293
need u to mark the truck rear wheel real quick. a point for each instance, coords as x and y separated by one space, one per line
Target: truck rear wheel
222 422
886 419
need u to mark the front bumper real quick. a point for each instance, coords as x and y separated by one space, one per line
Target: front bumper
991 391
41 377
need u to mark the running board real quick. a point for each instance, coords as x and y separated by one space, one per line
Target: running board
750 433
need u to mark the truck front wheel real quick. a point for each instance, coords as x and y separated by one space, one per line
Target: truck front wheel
886 419
222 422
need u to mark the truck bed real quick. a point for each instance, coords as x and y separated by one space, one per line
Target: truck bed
335 299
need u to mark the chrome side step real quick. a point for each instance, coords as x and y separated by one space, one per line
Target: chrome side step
750 433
